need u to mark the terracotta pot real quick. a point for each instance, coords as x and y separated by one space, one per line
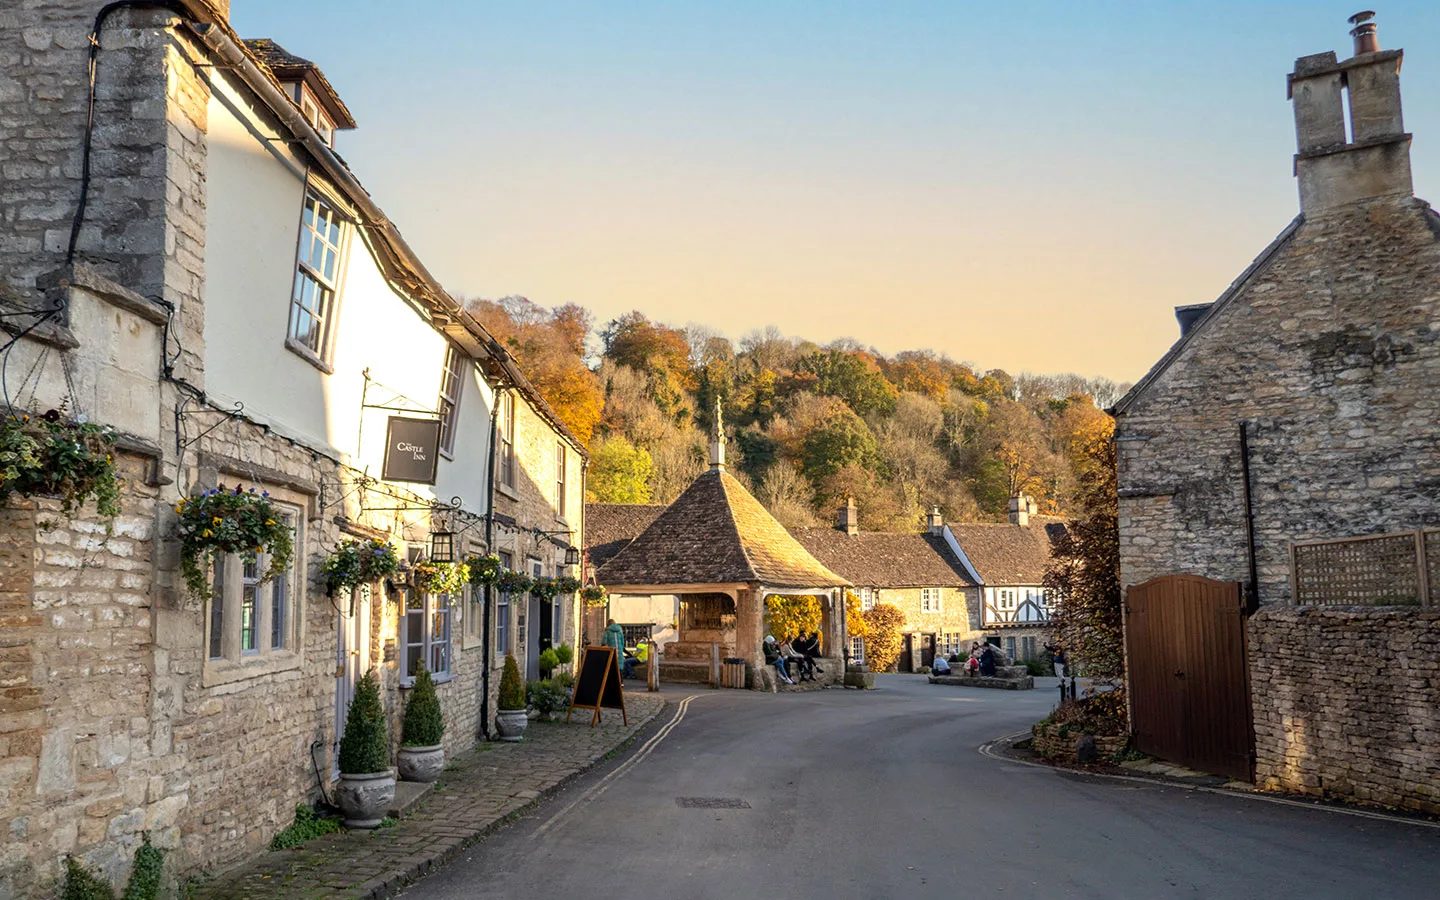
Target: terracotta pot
512 723
421 763
365 799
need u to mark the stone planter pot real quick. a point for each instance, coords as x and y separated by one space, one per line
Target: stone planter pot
512 724
365 799
420 763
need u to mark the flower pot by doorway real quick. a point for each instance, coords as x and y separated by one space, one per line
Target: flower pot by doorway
365 799
512 724
511 720
420 763
367 783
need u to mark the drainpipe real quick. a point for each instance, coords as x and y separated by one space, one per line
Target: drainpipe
489 548
1252 595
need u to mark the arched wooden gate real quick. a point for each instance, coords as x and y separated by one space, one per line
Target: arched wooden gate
1188 678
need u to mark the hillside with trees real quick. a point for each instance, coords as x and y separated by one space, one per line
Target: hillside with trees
809 425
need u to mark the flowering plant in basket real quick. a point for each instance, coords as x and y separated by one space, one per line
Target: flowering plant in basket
567 584
544 588
594 594
484 569
230 522
441 577
511 582
357 562
49 454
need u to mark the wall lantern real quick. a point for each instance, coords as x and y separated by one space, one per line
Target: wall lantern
572 556
442 546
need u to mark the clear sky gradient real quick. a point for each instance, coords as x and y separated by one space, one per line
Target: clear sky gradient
1026 185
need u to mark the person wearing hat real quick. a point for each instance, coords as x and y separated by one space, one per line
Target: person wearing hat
774 658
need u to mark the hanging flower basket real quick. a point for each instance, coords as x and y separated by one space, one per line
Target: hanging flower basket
440 577
484 570
511 582
594 594
52 456
230 522
545 588
567 584
357 562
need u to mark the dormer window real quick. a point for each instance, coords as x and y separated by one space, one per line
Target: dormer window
307 86
310 109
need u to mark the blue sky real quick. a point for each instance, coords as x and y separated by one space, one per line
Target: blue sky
1025 185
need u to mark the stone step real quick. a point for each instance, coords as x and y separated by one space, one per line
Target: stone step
408 795
684 672
1023 683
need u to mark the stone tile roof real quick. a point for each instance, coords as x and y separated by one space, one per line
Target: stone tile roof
884 560
1009 554
716 533
609 527
286 66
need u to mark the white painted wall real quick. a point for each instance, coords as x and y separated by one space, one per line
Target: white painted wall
660 610
256 195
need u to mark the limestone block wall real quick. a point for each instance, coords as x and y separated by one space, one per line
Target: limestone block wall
1332 353
960 614
1347 703
79 773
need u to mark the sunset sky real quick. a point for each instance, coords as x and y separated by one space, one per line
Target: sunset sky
1026 185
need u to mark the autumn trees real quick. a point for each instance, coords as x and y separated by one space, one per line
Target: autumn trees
809 426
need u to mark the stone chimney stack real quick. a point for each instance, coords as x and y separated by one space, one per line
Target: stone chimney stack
1030 506
1019 510
849 519
1334 168
935 522
717 440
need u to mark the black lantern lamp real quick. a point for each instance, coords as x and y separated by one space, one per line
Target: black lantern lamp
442 546
572 556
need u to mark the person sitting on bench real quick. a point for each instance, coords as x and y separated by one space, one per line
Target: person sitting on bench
773 658
940 665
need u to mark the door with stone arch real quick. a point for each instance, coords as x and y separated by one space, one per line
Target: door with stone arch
352 659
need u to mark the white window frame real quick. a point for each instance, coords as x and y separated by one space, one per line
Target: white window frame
310 108
452 385
867 599
326 285
857 642
932 600
502 611
505 422
433 610
560 473
274 614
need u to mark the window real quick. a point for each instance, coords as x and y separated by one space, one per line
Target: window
426 634
451 381
1007 599
315 116
857 649
634 634
560 480
867 598
950 643
1010 647
502 612
317 274
506 423
1027 648
250 617
930 600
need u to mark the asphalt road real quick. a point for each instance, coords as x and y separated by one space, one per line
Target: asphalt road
884 795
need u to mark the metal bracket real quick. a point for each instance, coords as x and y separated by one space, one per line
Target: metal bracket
181 415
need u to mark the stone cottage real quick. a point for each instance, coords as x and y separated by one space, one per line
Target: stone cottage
1290 441
920 574
194 266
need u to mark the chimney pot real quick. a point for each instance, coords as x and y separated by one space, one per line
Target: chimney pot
1364 32
935 521
1019 510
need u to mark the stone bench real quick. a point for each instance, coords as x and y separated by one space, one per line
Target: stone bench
1020 683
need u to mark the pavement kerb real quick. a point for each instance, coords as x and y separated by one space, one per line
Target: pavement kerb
394 882
989 749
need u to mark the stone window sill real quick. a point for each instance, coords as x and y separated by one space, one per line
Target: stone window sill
409 683
507 490
228 671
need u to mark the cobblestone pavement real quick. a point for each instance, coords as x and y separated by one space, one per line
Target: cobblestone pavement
476 793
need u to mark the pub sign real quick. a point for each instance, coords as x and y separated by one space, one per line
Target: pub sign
412 450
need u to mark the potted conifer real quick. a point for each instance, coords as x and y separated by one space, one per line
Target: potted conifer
511 719
367 783
422 755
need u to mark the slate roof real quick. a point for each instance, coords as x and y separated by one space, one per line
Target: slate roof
1009 554
286 66
609 527
716 533
884 560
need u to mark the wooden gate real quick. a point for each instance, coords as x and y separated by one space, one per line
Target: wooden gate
1189 683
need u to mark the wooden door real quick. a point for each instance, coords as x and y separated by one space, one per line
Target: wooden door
1188 679
352 659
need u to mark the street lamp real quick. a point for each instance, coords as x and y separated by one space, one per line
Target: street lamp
442 546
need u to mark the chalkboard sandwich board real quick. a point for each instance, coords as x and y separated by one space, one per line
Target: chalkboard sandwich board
598 684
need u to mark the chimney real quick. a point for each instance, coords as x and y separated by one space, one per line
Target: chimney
1019 510
849 519
1030 505
1336 169
717 440
935 522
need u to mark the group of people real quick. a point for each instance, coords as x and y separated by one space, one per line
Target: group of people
799 651
981 661
614 636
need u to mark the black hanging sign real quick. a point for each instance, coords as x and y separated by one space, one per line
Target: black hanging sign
598 684
412 450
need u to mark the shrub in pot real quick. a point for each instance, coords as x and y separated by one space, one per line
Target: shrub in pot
422 755
548 697
566 654
549 660
367 784
511 720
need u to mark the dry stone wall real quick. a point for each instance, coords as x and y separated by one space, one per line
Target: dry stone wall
1347 703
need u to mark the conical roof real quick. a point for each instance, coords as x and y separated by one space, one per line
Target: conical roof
716 533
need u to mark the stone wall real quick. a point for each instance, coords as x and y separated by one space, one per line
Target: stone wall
1331 353
1347 703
